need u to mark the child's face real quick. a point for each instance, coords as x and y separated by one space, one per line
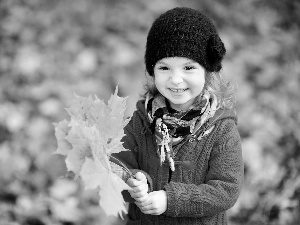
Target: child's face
180 80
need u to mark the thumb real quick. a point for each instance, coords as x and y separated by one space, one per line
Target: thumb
140 176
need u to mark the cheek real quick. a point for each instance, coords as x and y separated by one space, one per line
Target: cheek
198 84
156 82
159 80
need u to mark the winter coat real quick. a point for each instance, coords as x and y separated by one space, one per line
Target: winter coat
194 196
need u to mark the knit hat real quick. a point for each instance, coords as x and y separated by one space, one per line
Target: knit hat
184 32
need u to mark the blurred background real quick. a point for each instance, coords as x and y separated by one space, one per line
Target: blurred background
50 49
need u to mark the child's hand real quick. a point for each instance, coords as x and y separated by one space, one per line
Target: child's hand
155 204
139 187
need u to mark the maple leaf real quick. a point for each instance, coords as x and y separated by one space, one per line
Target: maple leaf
93 133
79 110
61 131
110 124
118 106
80 148
95 175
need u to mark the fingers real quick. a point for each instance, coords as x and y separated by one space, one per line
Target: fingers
144 203
139 184
142 199
151 212
155 204
138 187
145 206
135 183
151 208
138 192
141 177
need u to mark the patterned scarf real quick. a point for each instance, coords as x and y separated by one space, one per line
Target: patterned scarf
171 126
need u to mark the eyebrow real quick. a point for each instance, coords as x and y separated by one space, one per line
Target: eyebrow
190 61
160 62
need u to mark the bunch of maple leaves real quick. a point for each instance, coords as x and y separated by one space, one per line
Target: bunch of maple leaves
88 139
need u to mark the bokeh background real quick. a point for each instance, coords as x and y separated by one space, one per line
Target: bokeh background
53 48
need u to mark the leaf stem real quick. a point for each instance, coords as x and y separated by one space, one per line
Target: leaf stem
122 166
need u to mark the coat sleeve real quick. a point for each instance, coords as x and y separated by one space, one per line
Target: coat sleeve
223 181
130 158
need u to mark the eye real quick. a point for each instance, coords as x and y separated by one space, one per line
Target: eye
163 68
189 67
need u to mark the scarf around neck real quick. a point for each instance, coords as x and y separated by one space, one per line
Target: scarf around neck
171 126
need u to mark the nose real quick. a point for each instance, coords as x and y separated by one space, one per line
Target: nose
176 78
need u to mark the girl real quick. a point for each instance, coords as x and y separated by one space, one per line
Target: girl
183 136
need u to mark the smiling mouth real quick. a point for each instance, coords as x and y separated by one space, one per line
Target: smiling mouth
178 90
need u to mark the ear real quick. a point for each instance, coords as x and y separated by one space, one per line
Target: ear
215 52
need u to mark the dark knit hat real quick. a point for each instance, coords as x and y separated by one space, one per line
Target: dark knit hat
184 32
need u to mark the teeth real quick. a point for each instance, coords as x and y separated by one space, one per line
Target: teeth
178 90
